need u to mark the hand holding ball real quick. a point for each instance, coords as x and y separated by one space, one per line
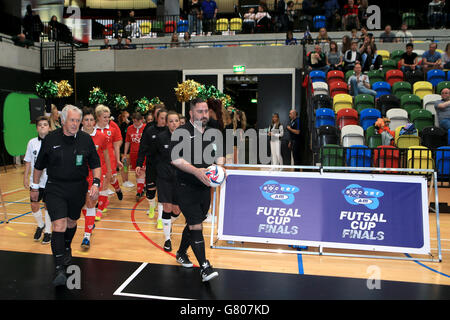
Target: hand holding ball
216 175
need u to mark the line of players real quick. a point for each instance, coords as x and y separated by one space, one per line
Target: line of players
146 146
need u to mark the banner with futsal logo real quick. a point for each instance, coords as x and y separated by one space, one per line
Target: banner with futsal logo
332 210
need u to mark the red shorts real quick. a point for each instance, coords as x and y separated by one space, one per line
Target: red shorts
133 160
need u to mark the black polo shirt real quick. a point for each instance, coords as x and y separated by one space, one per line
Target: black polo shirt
147 147
198 144
165 169
67 158
295 124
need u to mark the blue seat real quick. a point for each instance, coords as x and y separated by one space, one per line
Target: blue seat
359 156
443 162
368 117
319 22
318 75
382 88
183 26
435 76
325 116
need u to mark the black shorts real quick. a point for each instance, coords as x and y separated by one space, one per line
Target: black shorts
166 189
65 199
40 196
150 174
194 202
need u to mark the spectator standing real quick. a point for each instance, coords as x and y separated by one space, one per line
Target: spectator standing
404 35
295 138
195 17
431 59
331 8
387 35
118 24
209 9
350 16
53 29
362 12
32 25
291 15
436 15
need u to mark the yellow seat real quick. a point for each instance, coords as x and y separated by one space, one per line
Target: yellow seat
419 157
276 44
342 101
422 88
222 24
246 45
146 27
236 24
384 54
440 51
405 140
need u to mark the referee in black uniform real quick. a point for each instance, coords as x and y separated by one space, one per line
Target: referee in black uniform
193 186
67 153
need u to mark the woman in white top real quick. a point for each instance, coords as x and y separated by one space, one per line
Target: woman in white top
275 133
446 57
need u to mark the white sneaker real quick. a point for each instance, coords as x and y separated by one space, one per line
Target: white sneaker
128 184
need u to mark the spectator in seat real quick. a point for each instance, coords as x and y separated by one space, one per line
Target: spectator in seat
262 18
290 40
446 57
119 44
106 45
334 57
387 35
442 108
404 35
346 44
351 57
354 36
436 15
209 9
359 83
249 22
431 59
174 41
21 41
350 16
371 60
317 60
323 37
331 8
128 44
364 34
186 40
409 59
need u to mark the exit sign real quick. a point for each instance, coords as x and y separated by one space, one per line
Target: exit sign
238 69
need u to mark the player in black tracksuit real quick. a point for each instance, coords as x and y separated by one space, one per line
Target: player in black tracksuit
165 184
148 152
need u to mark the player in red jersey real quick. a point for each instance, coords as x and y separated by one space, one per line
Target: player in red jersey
101 144
132 142
114 137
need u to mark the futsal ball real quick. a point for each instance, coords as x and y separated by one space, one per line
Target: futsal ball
216 175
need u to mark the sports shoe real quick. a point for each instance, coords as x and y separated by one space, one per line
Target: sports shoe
168 246
139 196
98 215
60 277
159 224
85 244
47 238
183 259
38 233
207 272
119 194
151 212
128 184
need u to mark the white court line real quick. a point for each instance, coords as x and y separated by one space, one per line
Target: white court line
15 202
119 290
11 191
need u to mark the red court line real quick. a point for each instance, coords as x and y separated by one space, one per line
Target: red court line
12 192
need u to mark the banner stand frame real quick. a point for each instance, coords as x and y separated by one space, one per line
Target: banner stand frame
320 169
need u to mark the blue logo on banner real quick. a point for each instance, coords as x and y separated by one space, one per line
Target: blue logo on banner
272 190
355 195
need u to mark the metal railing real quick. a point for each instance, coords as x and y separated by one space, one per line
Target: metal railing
57 56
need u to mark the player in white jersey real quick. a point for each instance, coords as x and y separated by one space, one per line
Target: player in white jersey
44 224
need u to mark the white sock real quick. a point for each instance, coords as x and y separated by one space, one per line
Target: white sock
48 223
38 217
87 235
151 203
167 223
160 210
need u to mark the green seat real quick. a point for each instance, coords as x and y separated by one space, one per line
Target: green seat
348 74
442 85
364 101
375 76
396 55
157 26
332 155
401 88
410 19
422 118
373 138
410 102
389 64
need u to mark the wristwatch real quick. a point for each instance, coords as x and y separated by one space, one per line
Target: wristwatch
96 181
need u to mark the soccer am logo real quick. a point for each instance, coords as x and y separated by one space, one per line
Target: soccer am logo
272 190
355 195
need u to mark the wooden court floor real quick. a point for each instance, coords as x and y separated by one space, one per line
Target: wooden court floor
125 233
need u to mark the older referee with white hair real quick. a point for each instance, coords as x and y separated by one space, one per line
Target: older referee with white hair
67 153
